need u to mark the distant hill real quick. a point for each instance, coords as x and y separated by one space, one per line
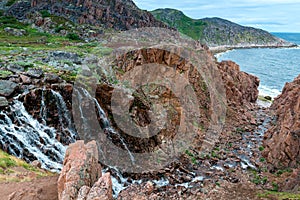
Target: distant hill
216 31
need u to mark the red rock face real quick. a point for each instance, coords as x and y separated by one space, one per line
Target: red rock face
81 177
282 140
240 86
116 14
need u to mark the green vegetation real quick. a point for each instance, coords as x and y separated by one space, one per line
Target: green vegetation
257 179
262 159
4 74
174 18
261 148
213 31
10 2
10 168
279 195
192 156
262 98
73 36
45 13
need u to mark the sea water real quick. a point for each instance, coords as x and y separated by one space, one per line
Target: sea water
273 66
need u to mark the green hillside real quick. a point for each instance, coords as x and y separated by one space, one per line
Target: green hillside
217 31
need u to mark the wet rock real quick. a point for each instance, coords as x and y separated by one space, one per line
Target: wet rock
81 168
7 88
14 31
36 163
3 102
268 98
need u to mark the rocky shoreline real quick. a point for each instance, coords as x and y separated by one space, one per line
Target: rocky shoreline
221 49
57 107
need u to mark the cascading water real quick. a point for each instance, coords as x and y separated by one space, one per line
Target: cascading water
104 121
26 138
65 119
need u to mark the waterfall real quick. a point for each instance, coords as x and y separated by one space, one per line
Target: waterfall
65 118
23 136
104 121
43 110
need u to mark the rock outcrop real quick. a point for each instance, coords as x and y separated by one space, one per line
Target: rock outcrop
240 87
81 176
116 14
282 140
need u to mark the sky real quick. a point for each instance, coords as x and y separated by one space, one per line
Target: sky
270 15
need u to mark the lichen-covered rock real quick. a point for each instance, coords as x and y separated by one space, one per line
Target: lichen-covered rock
102 189
282 140
81 168
7 88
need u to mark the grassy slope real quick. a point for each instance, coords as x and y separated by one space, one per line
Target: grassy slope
213 31
13 169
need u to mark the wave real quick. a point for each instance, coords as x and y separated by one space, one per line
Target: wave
267 91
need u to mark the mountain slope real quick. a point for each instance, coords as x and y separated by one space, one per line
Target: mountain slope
114 14
217 31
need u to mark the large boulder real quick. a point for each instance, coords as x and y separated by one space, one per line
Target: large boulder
81 177
7 88
282 140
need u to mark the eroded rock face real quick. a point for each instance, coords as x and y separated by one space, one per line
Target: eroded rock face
240 86
282 140
116 14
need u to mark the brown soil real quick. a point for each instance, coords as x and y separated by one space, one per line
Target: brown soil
38 189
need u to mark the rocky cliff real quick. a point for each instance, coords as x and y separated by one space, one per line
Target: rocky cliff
218 32
282 140
115 14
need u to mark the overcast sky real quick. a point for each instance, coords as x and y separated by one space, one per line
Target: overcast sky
270 15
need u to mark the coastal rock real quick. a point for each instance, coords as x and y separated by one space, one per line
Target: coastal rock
240 87
282 140
7 88
81 168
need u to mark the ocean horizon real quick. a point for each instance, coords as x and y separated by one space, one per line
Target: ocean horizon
273 66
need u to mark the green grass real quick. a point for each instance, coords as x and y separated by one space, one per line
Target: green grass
45 13
10 2
188 26
4 74
9 173
279 195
